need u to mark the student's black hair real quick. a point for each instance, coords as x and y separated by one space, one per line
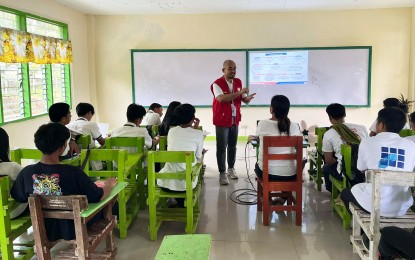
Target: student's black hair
51 137
134 112
393 118
57 111
84 108
154 106
168 119
184 114
412 117
4 146
336 111
280 105
394 102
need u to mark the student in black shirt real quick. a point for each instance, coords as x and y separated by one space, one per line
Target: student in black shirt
48 177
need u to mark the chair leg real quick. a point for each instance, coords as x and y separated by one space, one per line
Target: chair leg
122 204
6 248
189 214
299 207
141 187
152 225
266 207
260 197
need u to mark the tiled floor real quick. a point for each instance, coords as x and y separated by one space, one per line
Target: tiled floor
237 230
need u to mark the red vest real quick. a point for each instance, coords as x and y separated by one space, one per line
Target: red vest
222 111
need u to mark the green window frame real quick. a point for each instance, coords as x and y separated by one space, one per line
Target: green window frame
28 89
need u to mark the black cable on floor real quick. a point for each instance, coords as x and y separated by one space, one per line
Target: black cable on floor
244 196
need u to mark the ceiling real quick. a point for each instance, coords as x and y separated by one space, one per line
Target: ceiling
130 7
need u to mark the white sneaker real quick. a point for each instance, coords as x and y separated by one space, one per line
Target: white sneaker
223 178
232 173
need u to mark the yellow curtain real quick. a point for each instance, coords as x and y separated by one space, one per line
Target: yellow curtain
17 46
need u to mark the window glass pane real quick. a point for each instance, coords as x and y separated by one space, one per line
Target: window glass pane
44 28
58 83
9 20
11 91
38 96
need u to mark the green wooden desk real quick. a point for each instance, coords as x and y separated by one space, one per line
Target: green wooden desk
183 247
93 207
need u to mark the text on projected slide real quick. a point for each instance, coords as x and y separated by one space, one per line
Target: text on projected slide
282 67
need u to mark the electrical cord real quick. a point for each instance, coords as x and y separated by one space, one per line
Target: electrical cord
244 196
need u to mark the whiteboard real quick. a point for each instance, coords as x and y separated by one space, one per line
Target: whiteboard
328 75
180 75
318 76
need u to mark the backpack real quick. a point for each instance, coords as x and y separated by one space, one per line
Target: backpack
353 140
356 175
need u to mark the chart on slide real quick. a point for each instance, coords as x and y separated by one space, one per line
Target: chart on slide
281 67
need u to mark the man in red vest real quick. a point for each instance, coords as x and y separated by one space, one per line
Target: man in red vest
228 94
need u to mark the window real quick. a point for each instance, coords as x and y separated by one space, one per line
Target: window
28 89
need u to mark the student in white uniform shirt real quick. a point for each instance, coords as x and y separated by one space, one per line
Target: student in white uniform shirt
154 114
412 125
385 151
278 125
135 114
391 102
332 142
11 169
83 124
182 138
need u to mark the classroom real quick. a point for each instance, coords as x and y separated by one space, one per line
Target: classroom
101 74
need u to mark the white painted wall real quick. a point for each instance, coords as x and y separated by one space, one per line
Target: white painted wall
387 30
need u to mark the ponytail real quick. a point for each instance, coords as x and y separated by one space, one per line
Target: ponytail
280 105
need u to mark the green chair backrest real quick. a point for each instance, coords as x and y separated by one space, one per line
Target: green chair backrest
5 228
320 131
17 155
406 132
163 143
172 157
84 141
120 142
118 156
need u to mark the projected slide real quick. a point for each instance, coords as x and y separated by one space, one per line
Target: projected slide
278 67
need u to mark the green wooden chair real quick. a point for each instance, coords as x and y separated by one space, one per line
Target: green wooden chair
339 185
156 196
19 154
316 158
126 172
11 229
135 146
406 132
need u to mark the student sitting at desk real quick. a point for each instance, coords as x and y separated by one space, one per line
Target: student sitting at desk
182 138
83 124
390 102
154 113
278 125
385 151
11 169
61 113
338 134
168 120
48 177
135 115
